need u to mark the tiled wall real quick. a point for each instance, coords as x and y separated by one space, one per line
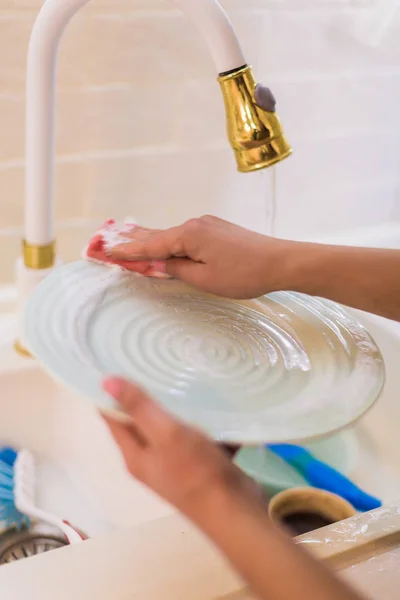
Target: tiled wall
140 124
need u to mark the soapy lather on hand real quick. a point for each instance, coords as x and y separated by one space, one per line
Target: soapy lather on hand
110 235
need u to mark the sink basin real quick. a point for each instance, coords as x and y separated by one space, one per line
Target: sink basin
81 475
378 464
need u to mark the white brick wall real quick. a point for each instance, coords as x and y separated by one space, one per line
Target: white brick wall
339 99
140 126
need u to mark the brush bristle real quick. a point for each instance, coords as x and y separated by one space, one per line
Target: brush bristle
10 515
24 481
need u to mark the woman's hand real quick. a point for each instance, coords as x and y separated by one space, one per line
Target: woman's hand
190 472
176 461
213 255
227 260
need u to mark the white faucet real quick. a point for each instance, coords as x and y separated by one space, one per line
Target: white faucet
253 127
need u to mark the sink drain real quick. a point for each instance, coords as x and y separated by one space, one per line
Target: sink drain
30 542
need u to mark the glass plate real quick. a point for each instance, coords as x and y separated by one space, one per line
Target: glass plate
285 367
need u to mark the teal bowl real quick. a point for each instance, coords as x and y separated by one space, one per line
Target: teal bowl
340 451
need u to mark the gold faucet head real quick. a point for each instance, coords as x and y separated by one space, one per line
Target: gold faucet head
254 130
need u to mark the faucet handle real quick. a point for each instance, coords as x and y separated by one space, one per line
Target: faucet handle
264 98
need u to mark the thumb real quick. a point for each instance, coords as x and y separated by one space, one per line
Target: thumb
186 270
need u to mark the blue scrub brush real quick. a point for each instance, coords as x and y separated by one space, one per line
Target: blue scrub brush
10 516
320 475
17 496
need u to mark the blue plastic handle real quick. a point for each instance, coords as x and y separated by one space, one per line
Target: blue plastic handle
323 476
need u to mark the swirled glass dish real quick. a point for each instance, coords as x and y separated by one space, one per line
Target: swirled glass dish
285 367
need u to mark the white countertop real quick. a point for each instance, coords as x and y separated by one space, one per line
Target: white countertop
168 559
165 559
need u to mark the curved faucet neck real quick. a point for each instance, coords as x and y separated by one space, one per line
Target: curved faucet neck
48 29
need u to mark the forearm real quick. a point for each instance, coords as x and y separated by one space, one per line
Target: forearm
363 278
269 562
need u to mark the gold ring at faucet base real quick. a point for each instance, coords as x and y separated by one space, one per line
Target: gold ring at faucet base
39 257
21 350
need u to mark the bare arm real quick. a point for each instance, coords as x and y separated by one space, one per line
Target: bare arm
190 472
363 278
230 261
273 566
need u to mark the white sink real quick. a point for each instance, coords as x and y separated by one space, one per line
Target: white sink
81 476
377 467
